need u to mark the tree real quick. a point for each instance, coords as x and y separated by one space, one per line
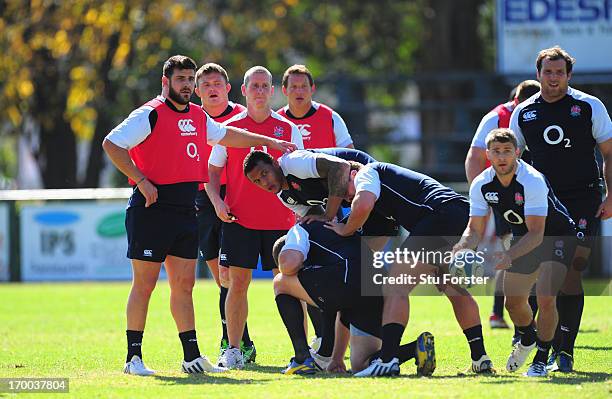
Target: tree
70 64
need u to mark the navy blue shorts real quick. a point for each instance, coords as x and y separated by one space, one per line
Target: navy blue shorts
440 229
559 249
582 206
209 227
158 231
242 247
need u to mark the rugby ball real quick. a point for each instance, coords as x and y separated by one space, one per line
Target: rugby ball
465 268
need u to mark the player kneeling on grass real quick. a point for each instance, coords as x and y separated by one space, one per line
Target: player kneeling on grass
322 268
542 246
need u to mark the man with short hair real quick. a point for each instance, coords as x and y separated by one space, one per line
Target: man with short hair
320 126
322 268
213 87
562 127
429 211
253 220
476 161
159 148
544 239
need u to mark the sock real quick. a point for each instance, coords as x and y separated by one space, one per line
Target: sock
569 321
246 339
533 304
291 312
498 305
558 338
405 353
328 335
222 297
316 317
542 351
134 344
391 337
527 333
190 345
476 341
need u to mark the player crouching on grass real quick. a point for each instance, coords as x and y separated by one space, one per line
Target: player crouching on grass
323 269
542 247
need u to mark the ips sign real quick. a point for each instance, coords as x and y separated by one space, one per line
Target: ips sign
74 241
582 27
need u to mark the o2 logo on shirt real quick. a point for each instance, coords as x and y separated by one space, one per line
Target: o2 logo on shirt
513 217
313 202
560 138
192 151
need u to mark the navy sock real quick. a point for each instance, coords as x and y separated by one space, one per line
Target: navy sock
498 305
222 298
476 341
542 351
528 334
134 343
292 314
190 345
316 317
391 337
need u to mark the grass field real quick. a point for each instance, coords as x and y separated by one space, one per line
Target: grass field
77 331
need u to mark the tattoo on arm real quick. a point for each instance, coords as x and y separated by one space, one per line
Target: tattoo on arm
337 172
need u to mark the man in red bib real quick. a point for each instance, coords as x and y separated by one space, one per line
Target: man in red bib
160 147
254 219
213 87
320 126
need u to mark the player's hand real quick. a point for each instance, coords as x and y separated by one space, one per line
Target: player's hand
339 228
149 191
501 260
314 218
605 209
282 146
336 366
165 87
223 212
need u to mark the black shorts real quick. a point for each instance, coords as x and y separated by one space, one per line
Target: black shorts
379 226
559 249
209 227
582 206
242 247
326 286
365 316
439 230
158 231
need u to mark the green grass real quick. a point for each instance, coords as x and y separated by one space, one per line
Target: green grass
77 331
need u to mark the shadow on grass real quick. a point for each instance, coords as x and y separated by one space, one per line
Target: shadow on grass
589 331
594 348
575 378
578 377
199 379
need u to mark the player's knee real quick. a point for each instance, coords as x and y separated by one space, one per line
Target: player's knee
144 287
239 284
279 284
183 284
547 304
224 278
513 304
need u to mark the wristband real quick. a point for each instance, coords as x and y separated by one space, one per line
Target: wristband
140 181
